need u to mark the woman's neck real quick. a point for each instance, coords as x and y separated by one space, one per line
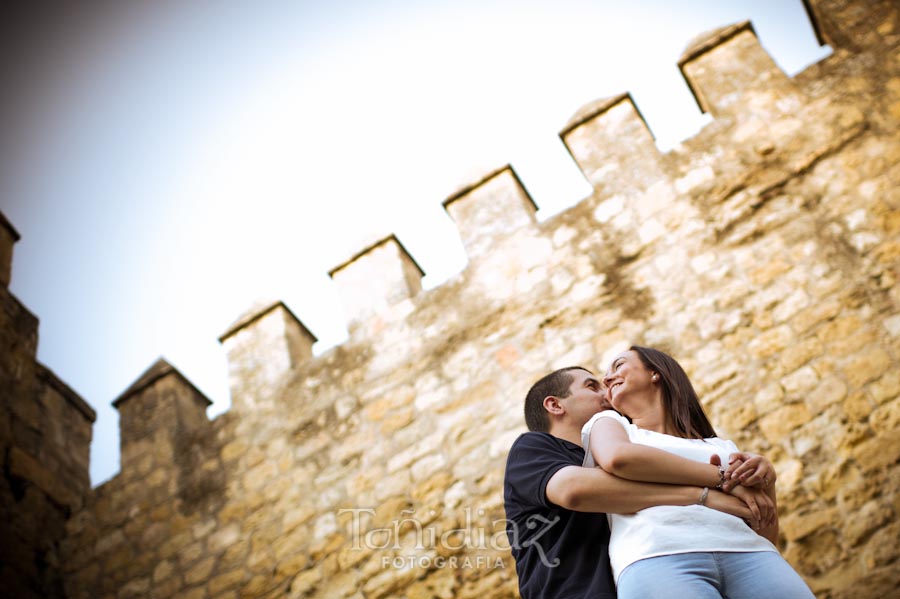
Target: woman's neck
654 422
653 418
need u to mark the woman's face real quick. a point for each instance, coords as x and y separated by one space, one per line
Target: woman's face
628 381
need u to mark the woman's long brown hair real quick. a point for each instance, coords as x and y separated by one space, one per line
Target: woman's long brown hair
680 402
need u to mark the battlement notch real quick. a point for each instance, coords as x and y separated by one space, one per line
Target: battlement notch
263 344
158 413
376 279
612 145
8 238
493 206
730 73
855 24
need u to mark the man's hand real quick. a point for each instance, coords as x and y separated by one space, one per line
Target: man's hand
760 505
750 470
724 502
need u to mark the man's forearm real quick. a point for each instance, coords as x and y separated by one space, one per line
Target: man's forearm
594 490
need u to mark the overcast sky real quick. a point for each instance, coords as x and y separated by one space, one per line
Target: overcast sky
170 164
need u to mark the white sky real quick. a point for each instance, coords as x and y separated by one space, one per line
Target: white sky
171 165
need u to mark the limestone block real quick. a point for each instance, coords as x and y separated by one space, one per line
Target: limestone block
769 398
256 585
489 209
27 467
800 382
851 344
872 515
771 342
426 466
292 564
260 476
867 365
829 391
798 525
886 418
882 547
135 588
777 425
858 406
887 387
198 592
797 355
200 571
223 582
878 452
224 538
377 278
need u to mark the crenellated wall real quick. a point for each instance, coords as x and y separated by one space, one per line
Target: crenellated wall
763 253
45 437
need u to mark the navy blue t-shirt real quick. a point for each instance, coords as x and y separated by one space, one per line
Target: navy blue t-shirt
560 554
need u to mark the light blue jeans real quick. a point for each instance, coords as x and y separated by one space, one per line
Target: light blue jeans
716 575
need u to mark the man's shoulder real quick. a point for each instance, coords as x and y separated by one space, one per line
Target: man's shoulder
532 437
542 448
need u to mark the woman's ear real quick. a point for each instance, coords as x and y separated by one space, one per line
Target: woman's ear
553 405
654 377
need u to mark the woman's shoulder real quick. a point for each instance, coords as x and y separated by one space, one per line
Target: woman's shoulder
726 444
586 429
612 415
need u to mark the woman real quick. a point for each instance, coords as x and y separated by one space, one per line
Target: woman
690 551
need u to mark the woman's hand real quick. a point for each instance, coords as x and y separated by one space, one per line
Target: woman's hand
749 470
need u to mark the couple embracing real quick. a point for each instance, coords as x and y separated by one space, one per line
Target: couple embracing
622 488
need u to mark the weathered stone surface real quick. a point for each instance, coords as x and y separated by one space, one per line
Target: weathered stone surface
762 253
778 424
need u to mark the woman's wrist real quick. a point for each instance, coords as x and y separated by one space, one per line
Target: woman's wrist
720 486
718 481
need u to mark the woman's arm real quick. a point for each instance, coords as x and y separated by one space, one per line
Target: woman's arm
616 454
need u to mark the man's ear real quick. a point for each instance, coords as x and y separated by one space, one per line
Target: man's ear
553 405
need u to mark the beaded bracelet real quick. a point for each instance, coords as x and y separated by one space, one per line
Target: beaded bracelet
703 495
721 478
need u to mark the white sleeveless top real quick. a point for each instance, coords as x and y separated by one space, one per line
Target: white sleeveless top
668 529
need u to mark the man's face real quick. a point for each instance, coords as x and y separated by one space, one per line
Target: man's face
587 396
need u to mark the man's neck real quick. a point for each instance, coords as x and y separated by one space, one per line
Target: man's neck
568 433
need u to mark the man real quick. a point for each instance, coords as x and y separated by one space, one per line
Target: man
556 509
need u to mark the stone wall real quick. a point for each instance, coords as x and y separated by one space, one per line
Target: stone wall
45 437
763 253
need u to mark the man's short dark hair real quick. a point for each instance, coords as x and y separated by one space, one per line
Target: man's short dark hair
557 384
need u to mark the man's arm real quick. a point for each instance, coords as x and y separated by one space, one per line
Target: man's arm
770 531
756 473
593 490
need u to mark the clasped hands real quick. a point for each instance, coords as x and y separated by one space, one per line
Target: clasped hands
748 477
